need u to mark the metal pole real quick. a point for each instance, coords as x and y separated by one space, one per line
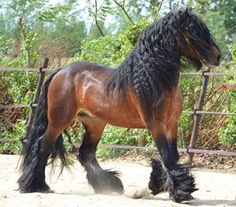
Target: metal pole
36 98
197 116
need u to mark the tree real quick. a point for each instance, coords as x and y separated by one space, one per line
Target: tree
21 19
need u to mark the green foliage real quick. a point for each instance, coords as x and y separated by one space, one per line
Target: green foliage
108 50
12 132
191 91
28 28
227 8
227 134
100 12
118 135
21 86
5 43
111 49
233 52
122 136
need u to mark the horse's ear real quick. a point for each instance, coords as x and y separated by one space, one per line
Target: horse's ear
183 14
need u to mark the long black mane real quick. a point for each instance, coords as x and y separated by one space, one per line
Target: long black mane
152 66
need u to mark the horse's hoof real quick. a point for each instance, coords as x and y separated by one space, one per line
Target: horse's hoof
182 199
47 191
36 189
181 184
158 178
106 182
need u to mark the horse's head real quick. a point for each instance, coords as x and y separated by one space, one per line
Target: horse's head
196 42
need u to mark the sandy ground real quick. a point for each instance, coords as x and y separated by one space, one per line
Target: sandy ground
71 188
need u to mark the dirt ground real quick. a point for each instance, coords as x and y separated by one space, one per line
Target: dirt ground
71 188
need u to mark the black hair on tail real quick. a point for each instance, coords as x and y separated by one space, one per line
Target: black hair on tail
38 129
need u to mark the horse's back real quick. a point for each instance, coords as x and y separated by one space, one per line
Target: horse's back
79 67
76 77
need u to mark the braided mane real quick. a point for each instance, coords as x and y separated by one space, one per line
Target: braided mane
152 66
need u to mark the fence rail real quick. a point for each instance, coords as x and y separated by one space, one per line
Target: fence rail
207 73
197 113
187 112
147 148
25 69
182 73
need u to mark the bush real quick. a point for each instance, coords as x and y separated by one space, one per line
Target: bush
14 132
228 133
16 88
111 50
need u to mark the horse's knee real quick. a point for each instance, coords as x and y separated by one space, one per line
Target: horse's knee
46 144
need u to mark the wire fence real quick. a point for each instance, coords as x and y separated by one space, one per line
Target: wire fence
197 113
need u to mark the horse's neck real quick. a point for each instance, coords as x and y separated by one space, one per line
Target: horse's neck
138 67
156 58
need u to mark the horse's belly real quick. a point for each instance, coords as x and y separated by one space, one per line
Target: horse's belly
114 115
127 122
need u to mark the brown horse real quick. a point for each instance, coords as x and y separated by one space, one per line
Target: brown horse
141 93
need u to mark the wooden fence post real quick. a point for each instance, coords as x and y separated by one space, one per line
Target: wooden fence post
197 116
35 98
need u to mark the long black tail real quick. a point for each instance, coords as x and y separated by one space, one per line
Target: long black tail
39 127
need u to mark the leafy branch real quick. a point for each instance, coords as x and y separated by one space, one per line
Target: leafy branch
122 7
96 18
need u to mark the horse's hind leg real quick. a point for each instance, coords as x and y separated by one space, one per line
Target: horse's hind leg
33 176
102 181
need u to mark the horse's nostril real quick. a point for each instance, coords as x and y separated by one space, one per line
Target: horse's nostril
218 57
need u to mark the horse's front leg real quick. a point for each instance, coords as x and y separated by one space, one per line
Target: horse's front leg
168 175
172 140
